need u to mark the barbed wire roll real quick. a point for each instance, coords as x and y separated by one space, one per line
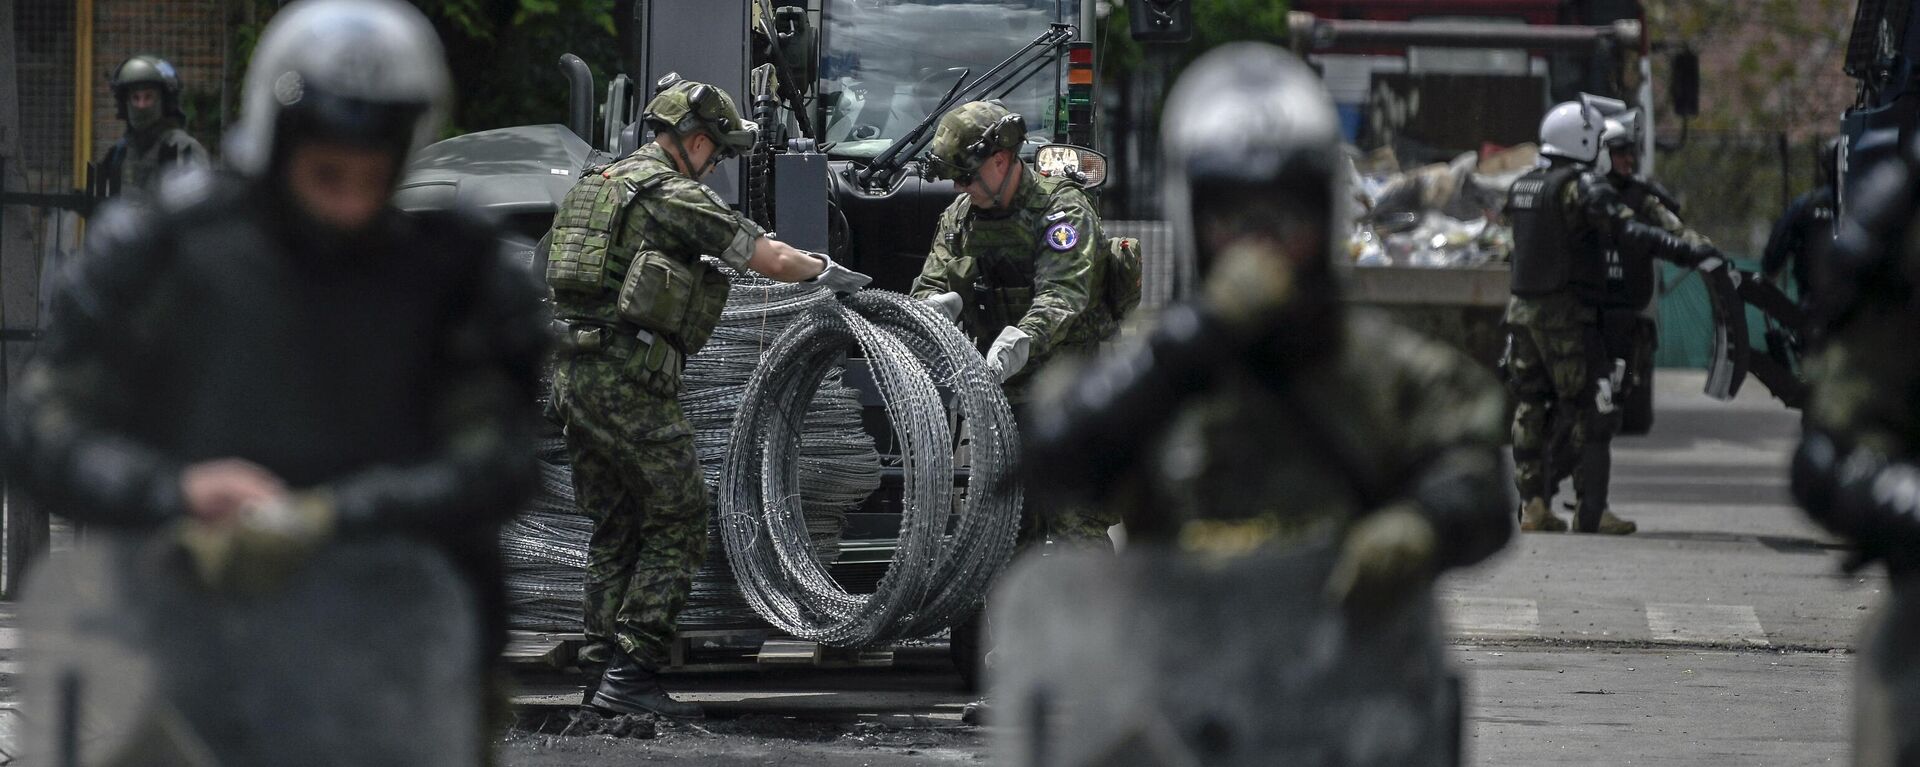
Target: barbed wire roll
546 546
934 577
984 535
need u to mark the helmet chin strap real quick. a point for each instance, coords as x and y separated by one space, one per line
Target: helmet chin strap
686 161
1000 190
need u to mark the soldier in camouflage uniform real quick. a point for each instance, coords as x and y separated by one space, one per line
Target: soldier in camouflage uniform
624 264
146 94
1264 417
1857 469
1626 335
1566 218
1018 258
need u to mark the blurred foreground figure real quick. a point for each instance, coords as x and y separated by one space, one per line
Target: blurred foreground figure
1856 471
298 417
1293 473
146 94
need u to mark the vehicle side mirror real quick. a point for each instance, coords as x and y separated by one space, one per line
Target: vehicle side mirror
1080 165
1161 21
1684 86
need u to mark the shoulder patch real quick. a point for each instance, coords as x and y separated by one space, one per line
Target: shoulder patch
1062 237
1056 215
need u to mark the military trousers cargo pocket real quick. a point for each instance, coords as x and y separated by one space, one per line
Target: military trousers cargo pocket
657 291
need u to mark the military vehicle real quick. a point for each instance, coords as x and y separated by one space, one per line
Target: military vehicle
846 93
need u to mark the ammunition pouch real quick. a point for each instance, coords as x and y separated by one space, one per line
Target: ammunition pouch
583 257
679 300
647 359
703 314
1001 306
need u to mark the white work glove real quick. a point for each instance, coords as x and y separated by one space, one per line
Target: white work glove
1009 352
1603 396
841 279
947 304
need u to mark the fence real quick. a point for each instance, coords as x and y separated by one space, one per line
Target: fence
1732 187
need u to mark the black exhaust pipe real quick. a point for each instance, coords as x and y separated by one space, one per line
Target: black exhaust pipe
579 96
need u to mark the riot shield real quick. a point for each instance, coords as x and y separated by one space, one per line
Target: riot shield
368 655
1155 657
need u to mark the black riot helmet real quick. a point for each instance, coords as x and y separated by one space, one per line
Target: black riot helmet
145 70
1248 124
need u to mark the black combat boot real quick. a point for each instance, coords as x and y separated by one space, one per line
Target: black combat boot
631 688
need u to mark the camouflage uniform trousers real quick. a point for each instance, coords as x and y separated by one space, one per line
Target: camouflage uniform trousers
636 476
1547 373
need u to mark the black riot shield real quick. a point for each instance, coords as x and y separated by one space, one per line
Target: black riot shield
369 655
1155 657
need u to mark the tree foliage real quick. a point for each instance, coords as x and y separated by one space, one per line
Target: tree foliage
504 53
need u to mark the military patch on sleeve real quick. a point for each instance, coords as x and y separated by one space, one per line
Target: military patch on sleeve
1062 237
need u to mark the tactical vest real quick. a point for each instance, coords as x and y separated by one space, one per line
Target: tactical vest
1005 251
1548 256
612 289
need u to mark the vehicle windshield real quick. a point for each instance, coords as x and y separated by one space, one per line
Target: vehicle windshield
886 63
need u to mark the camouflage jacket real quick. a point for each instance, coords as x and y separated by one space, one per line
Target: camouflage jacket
396 376
1038 266
1295 461
136 165
673 214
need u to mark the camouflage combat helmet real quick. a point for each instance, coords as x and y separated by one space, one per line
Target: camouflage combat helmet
971 133
146 70
685 107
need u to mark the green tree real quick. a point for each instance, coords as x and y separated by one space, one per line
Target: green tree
503 53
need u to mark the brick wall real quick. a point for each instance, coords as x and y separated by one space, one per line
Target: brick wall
189 33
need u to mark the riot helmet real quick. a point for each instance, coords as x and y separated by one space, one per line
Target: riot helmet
683 108
969 134
1619 136
1572 130
145 71
366 73
1250 128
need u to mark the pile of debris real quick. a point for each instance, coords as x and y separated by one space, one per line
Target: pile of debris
1442 215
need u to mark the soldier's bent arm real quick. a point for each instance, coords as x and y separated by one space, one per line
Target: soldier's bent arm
1064 276
483 465
70 425
1600 207
688 217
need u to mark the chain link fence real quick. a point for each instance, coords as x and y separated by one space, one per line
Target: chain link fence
1732 187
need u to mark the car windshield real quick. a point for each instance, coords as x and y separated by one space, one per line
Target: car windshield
886 63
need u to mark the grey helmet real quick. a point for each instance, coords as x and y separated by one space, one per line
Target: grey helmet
1248 115
365 72
146 70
